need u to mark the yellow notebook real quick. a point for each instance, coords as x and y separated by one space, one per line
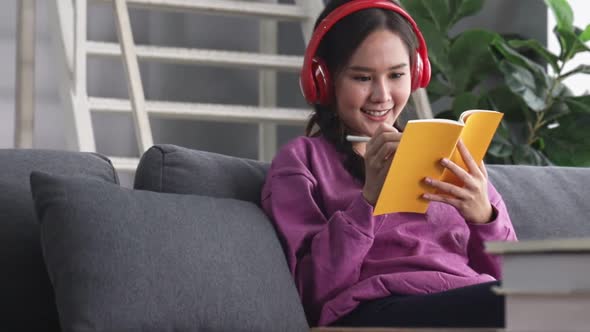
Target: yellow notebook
424 143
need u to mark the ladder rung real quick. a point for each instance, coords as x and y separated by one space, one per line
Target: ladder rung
224 7
125 164
212 112
201 56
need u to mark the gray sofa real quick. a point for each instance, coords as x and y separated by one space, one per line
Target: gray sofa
188 249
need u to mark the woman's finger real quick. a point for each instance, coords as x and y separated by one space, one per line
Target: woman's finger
456 169
483 169
443 199
468 159
386 151
466 178
384 146
381 135
448 188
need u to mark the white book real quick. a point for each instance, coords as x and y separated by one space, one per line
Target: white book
560 266
546 312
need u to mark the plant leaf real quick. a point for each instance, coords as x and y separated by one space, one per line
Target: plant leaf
435 12
502 99
448 114
443 14
560 90
527 155
536 46
464 101
501 145
525 78
436 37
418 11
437 89
570 44
471 59
581 69
438 47
585 36
523 83
503 48
500 150
567 145
563 13
579 104
463 8
558 109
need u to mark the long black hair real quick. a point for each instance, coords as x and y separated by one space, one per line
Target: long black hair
336 49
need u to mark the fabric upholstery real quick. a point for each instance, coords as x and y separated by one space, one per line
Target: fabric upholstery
131 260
545 202
174 169
26 296
542 201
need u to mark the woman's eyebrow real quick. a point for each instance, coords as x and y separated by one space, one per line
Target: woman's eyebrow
368 69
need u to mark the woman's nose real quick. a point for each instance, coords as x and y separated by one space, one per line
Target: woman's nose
380 92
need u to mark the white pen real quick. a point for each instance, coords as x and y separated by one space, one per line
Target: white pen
352 138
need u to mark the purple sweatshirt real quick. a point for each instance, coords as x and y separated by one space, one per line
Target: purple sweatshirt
341 255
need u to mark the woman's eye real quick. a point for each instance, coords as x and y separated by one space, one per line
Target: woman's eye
361 78
396 75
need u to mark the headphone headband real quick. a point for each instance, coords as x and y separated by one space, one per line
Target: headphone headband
307 72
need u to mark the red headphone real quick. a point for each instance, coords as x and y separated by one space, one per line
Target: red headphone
315 81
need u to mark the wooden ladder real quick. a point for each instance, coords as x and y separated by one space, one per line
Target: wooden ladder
73 16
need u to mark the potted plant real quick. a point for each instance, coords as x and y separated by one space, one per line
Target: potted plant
544 122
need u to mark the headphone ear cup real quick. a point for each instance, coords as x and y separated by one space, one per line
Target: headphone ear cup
426 72
417 72
307 86
322 81
420 72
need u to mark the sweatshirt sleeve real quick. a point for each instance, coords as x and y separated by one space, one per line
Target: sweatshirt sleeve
499 229
324 253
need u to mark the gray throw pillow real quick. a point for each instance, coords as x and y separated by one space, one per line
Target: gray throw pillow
26 297
174 169
131 260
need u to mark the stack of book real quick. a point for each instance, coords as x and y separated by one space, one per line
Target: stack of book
546 284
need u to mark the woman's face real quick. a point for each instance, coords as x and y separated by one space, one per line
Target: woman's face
375 85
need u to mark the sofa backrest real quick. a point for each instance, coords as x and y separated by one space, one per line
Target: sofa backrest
174 169
545 202
27 300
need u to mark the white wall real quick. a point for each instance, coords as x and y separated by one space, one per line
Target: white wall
49 129
581 8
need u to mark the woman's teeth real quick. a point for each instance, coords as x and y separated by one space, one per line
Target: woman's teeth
375 113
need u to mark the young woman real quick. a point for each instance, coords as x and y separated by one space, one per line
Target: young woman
350 267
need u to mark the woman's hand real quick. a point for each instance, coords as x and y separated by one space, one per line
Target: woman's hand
471 200
378 155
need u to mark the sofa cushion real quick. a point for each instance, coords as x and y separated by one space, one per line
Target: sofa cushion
26 296
174 169
127 260
545 202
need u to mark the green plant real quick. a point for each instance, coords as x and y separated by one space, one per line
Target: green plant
544 122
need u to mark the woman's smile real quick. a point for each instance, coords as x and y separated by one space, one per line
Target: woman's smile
376 115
